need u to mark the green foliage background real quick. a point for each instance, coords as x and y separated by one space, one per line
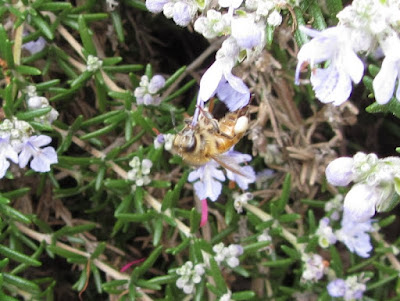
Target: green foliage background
66 234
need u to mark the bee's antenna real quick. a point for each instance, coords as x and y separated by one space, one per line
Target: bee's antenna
199 105
173 119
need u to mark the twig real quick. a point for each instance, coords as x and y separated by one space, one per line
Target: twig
47 238
266 217
78 49
100 264
196 63
124 175
390 256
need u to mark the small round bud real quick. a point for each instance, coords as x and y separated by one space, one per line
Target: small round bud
339 171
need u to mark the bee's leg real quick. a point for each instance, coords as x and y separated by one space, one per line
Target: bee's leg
210 118
211 105
226 135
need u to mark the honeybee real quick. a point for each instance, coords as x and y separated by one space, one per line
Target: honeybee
210 138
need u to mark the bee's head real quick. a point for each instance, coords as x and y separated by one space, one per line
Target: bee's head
185 141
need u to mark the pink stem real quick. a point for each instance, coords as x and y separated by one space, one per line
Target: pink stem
204 212
128 265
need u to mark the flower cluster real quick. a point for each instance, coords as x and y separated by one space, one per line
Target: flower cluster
189 276
243 24
364 26
140 172
147 92
18 145
352 288
375 188
164 139
353 234
240 199
93 63
314 267
215 23
228 255
35 102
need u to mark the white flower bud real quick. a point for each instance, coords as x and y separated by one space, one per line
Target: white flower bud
182 14
340 171
36 102
232 262
168 10
156 83
274 19
93 63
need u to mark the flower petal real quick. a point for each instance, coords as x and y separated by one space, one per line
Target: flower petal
42 161
4 165
232 98
210 80
353 65
39 141
242 181
24 157
384 82
360 202
331 85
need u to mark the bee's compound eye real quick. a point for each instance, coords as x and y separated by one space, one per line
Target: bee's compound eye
241 125
188 141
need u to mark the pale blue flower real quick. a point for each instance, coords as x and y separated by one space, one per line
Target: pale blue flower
35 46
42 157
246 175
209 181
146 93
333 84
355 235
230 89
6 152
336 288
352 288
314 267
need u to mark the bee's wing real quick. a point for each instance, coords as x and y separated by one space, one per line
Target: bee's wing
228 163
